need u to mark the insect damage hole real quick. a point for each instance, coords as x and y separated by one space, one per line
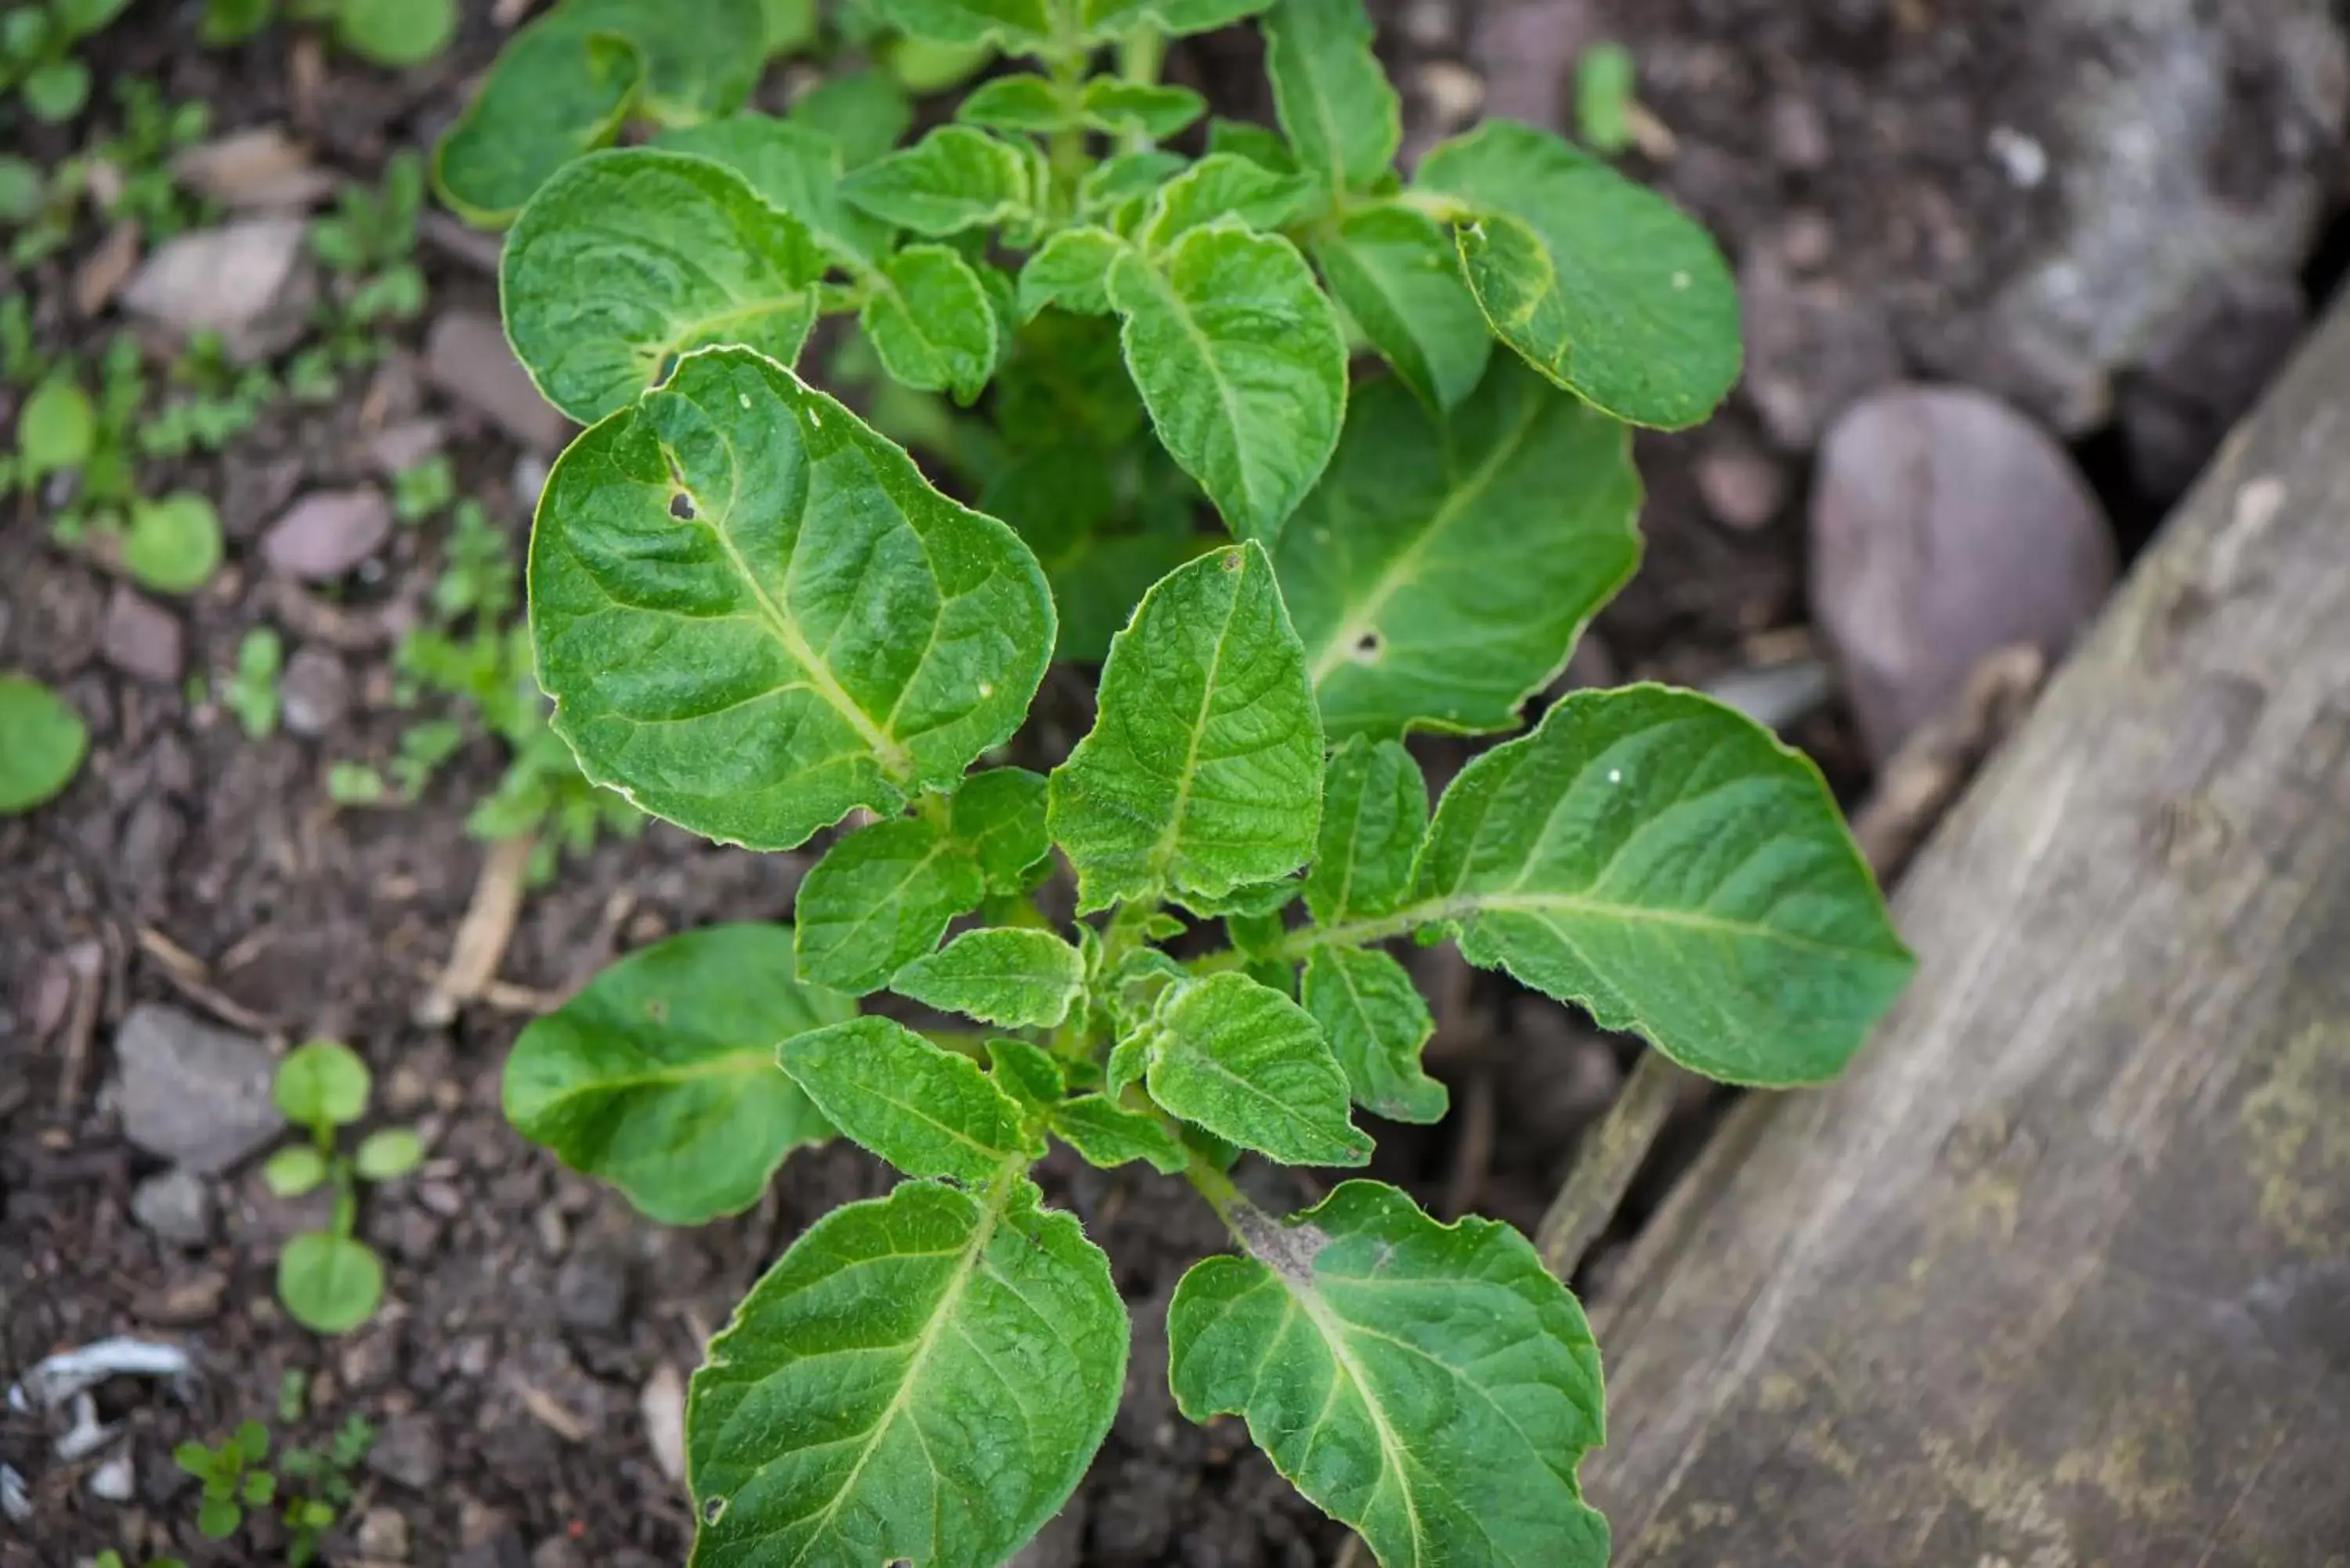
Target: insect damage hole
1368 648
714 1510
680 506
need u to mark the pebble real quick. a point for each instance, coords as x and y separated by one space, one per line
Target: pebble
1453 92
466 357
1742 487
142 639
592 1292
175 1206
398 448
407 1450
260 169
554 1235
193 1093
328 533
383 1535
530 471
662 1402
315 691
559 1551
251 281
1945 526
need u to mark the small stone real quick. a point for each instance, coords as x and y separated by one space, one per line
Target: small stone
530 471
1799 136
252 281
141 639
371 1359
441 1197
257 170
383 1535
554 1235
591 1294
559 1551
175 1206
328 533
115 1481
185 1301
99 276
1453 92
1431 26
663 1403
398 448
192 1093
466 356
1742 487
504 1550
315 691
1945 526
407 1450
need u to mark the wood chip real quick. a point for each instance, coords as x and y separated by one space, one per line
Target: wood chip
552 1413
104 271
482 938
192 978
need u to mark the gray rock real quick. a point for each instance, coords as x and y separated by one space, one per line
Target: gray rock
192 1093
175 1206
253 282
328 533
1742 487
383 1535
407 1450
466 356
591 1292
1945 526
142 639
396 449
316 691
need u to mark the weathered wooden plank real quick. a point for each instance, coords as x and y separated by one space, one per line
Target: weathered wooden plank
2060 1276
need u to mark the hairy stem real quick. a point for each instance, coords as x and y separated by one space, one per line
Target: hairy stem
1141 54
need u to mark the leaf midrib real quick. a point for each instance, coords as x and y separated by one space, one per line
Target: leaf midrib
743 1063
1164 853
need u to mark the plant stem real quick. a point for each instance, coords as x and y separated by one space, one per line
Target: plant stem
1300 944
1141 54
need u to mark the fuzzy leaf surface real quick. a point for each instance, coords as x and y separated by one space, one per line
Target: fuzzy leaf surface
794 168
1377 1025
1071 270
956 178
921 1378
999 817
1429 1385
1251 1066
1203 769
1240 361
660 1078
1333 97
932 323
1019 103
1604 286
1027 1072
880 898
1106 1134
1014 978
1398 273
1219 186
1443 570
1157 111
1374 815
1666 863
825 632
925 1110
626 259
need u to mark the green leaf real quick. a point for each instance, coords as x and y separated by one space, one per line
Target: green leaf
1333 97
1606 288
564 84
56 429
1203 770
173 545
1016 27
56 91
322 1082
864 113
1664 862
1071 270
921 1378
1224 186
1159 112
331 1285
1259 144
395 32
1239 360
1377 1025
1374 815
1398 273
825 632
956 178
792 25
928 1112
389 1152
1606 77
1027 1072
1250 1065
234 21
217 1517
930 320
880 898
1443 570
1104 20
1099 583
1000 817
626 259
1106 1134
660 1078
42 742
1014 978
1429 1385
794 168
923 67
1018 103
1126 178
81 18
294 1170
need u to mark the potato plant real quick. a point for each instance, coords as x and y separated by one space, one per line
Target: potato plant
760 620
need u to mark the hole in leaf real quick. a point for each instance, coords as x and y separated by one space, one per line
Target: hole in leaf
1232 562
1367 649
714 1510
680 506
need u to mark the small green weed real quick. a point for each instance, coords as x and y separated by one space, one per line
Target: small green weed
37 53
313 1484
368 243
330 1280
252 694
387 32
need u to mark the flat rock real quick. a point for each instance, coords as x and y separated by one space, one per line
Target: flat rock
260 169
142 639
328 533
315 692
466 357
251 281
192 1093
174 1206
1945 526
